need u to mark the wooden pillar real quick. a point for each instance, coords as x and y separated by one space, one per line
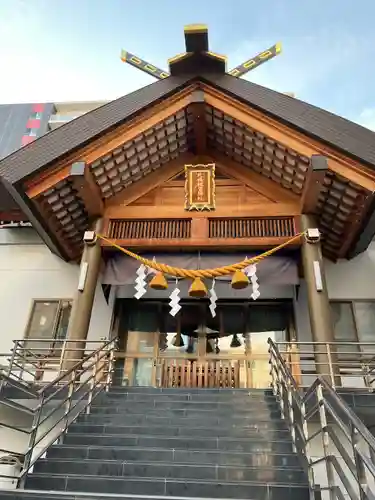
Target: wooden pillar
319 307
83 301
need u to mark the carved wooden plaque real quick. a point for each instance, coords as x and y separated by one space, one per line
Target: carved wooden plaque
200 187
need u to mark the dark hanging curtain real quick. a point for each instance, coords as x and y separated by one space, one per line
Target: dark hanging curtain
266 318
230 318
142 317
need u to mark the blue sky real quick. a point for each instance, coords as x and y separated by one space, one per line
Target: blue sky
58 50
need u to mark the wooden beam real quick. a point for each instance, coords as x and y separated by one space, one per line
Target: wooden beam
313 184
199 243
94 150
268 188
87 189
290 138
198 111
150 181
178 212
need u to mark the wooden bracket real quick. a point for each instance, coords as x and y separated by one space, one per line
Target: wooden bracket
313 184
87 189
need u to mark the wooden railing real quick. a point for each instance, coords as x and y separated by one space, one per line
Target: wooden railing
202 231
252 227
139 229
209 373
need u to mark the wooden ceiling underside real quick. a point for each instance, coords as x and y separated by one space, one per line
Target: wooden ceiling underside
198 127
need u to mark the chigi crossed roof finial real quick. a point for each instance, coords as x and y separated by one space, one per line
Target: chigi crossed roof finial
198 58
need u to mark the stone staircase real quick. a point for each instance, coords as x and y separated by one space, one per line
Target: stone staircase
196 443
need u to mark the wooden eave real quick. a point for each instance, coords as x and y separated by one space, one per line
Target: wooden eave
200 121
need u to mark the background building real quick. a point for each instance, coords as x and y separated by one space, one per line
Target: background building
21 124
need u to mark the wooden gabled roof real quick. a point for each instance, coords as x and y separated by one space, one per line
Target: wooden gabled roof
348 137
231 120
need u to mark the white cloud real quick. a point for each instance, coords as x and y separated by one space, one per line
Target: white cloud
367 118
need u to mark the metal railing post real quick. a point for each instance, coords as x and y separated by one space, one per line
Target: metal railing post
32 440
305 430
359 466
110 368
273 370
68 403
291 415
92 383
62 355
331 371
12 358
325 442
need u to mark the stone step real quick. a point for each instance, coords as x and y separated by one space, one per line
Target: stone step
113 468
173 430
252 413
223 396
171 404
145 419
166 487
191 390
204 457
186 443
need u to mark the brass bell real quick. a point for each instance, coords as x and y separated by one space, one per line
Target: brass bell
159 282
239 280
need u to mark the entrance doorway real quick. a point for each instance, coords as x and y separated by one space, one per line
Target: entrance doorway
194 349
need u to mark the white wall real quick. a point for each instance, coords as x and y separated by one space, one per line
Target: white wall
346 279
28 270
352 279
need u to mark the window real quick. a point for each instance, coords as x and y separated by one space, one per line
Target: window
354 321
49 321
31 132
36 115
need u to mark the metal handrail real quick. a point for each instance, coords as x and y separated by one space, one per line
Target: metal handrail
345 364
60 402
355 446
33 360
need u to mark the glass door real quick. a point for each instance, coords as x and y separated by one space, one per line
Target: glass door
138 342
179 346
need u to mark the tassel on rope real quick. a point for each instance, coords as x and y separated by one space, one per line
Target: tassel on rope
198 289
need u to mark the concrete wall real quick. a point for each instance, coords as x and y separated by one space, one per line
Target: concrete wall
28 270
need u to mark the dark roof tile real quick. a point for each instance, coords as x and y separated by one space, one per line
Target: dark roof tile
351 138
77 132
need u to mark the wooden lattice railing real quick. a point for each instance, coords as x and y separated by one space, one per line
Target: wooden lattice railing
140 229
202 231
211 373
280 227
